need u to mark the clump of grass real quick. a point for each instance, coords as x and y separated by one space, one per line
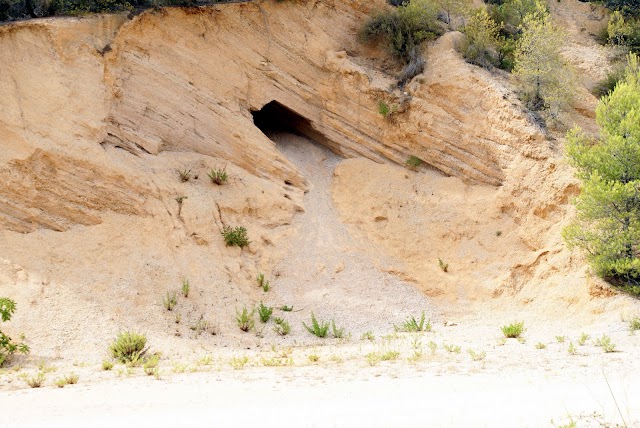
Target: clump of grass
317 328
70 379
244 319
605 343
412 325
433 346
513 330
540 345
286 308
583 339
454 349
238 363
384 109
107 365
561 339
314 358
282 327
477 356
35 381
184 174
263 283
572 349
235 236
264 312
444 266
634 324
414 162
338 333
218 176
368 335
170 301
186 288
128 347
373 358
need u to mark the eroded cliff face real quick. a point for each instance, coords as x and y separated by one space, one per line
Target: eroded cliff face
176 88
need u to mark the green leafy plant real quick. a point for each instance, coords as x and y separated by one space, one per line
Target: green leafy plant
263 283
414 162
244 319
186 288
128 347
282 327
70 379
107 365
444 266
8 346
235 236
317 328
264 312
338 333
583 339
184 174
218 176
560 339
170 301
605 343
477 356
513 330
413 325
286 308
634 324
572 349
384 109
238 363
454 349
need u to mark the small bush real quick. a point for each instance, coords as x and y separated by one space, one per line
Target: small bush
128 347
264 312
572 349
560 339
184 174
170 301
244 319
318 329
70 379
235 236
513 330
540 345
314 358
7 346
218 176
286 308
238 363
414 162
444 266
107 365
414 326
282 327
185 287
477 356
605 343
368 336
263 283
338 333
634 324
583 339
35 381
453 349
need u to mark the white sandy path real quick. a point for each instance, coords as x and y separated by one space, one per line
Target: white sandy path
425 401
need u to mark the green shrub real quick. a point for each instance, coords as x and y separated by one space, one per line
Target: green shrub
107 365
184 174
8 346
412 325
317 328
608 84
513 330
264 312
414 162
263 282
338 333
128 347
170 301
605 343
35 381
244 319
70 379
482 44
236 236
282 327
218 176
185 287
286 308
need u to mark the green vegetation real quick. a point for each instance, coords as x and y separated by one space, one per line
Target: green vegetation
583 339
560 339
368 335
184 174
412 325
414 162
264 283
264 312
317 328
513 330
540 345
452 349
607 227
286 308
482 44
235 236
244 319
8 346
107 365
35 381
70 379
338 333
605 343
185 287
218 176
170 301
128 347
572 349
634 324
444 266
477 356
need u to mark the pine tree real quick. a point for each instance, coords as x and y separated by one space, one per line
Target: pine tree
607 226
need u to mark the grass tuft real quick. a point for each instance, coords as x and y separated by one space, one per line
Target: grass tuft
513 330
317 328
244 319
128 347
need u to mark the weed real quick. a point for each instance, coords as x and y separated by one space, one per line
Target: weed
368 335
286 308
35 381
152 371
238 363
389 355
178 318
477 356
384 109
185 287
151 362
444 266
245 319
264 312
416 344
318 329
282 327
44 368
314 358
498 233
107 365
277 362
128 347
583 339
201 326
433 346
634 324
218 176
184 174
540 345
263 282
561 339
180 199
235 236
206 360
179 368
338 333
454 349
413 325
513 330
170 301
522 340
572 349
70 379
417 356
605 343
373 358
414 162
